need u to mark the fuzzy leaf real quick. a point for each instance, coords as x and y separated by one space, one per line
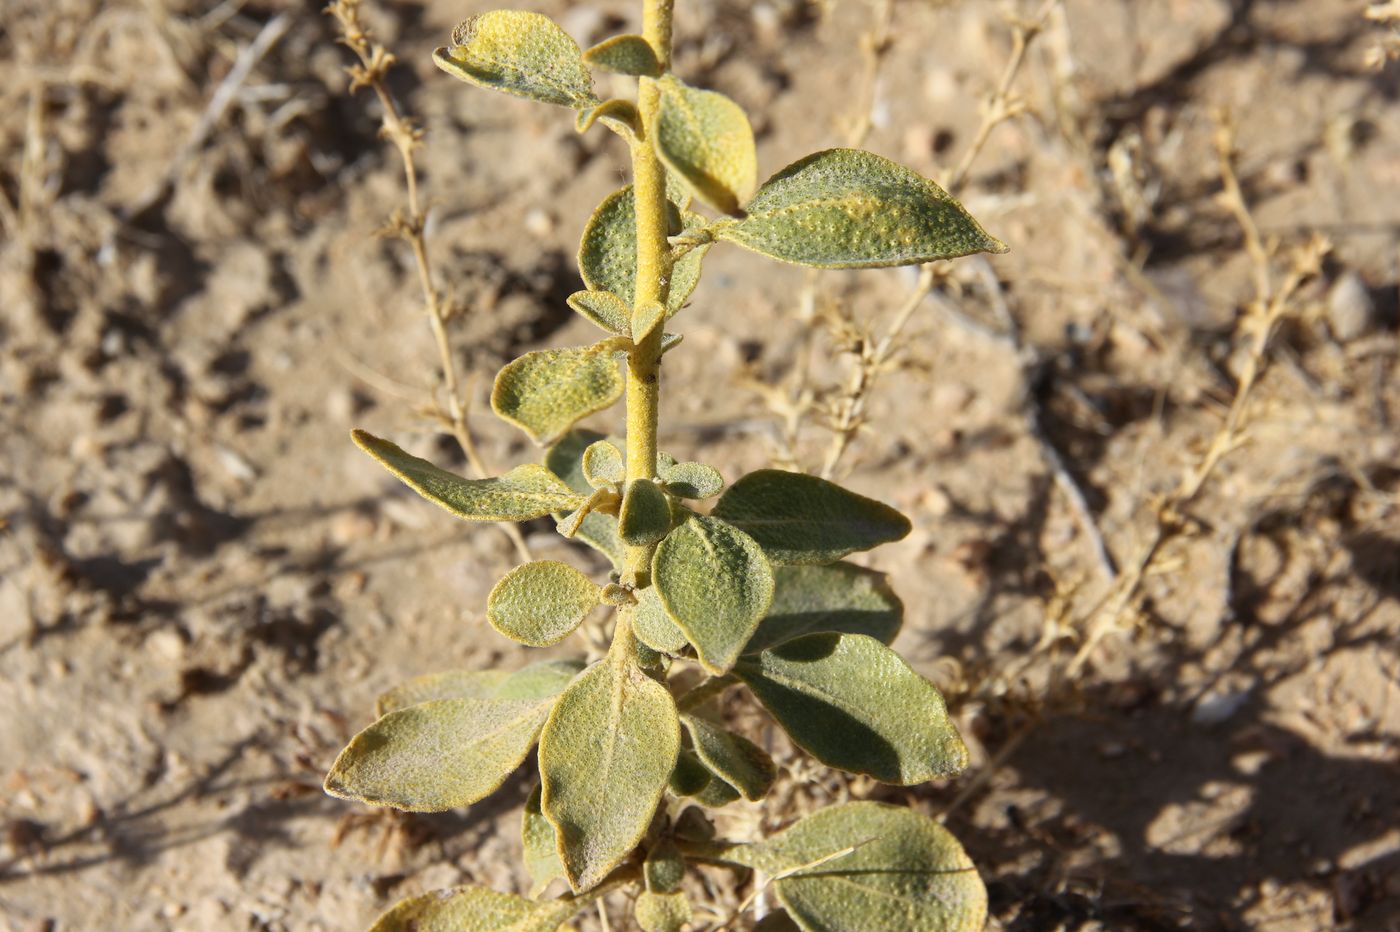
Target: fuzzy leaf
705 138
692 480
541 603
526 492
646 514
867 865
662 912
523 54
607 255
836 597
599 531
734 758
604 309
693 779
538 839
474 909
602 464
645 319
653 626
628 54
536 681
797 518
620 116
854 704
438 755
613 735
715 584
848 209
545 392
664 867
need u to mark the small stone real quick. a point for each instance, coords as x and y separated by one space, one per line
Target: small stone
1350 309
539 223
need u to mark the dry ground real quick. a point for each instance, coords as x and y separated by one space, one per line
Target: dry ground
203 585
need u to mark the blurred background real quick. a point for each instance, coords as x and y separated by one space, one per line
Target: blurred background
1150 455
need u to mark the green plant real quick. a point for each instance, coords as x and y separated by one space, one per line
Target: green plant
754 592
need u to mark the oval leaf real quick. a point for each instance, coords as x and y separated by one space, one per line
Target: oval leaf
653 626
866 865
854 704
545 392
613 735
662 912
692 480
438 755
839 597
603 465
715 584
536 681
734 758
693 779
646 513
524 54
599 531
538 839
625 55
541 603
526 492
646 319
797 518
705 138
620 116
607 256
848 209
474 909
603 308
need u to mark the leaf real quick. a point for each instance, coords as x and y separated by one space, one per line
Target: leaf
705 138
474 909
628 54
613 735
545 392
646 514
603 465
848 209
664 867
854 704
620 116
715 584
438 755
693 779
526 492
866 865
536 681
837 597
541 603
607 255
603 308
646 319
598 531
523 54
538 839
653 626
692 480
662 912
797 518
733 758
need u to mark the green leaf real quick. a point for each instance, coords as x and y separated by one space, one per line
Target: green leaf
602 500
603 308
646 514
645 319
620 116
545 392
733 758
602 464
538 839
664 867
693 779
541 603
715 584
653 626
599 531
607 255
536 681
692 480
474 909
848 209
866 865
613 735
526 492
797 518
523 54
662 912
624 55
836 597
854 704
438 755
705 138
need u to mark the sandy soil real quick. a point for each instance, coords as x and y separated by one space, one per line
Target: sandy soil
203 585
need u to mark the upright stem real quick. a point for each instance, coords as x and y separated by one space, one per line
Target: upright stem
653 272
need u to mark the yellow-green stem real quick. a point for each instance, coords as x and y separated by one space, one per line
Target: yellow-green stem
653 272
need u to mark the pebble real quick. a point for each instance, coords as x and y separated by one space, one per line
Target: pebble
1350 309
